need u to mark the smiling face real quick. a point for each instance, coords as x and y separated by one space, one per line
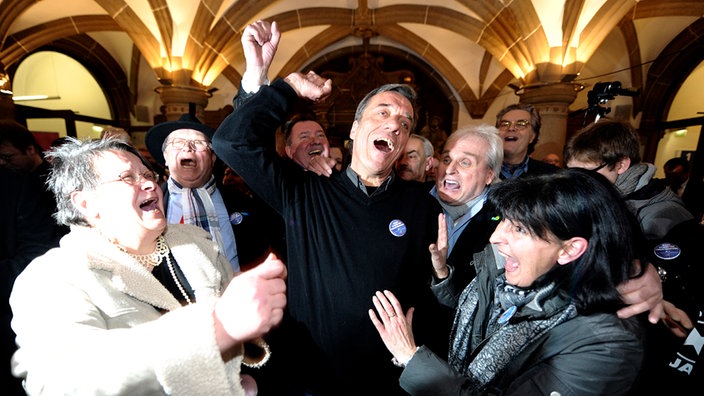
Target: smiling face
127 213
190 168
527 256
380 136
516 137
463 172
307 140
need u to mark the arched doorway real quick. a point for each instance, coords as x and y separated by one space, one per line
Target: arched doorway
666 78
85 89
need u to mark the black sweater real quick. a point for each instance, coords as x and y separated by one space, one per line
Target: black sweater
340 251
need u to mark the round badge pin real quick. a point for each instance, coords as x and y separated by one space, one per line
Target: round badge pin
397 228
667 251
236 218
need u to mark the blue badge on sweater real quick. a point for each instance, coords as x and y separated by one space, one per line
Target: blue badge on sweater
667 251
236 218
397 228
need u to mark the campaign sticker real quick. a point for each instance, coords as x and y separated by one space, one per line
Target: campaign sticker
236 218
397 228
667 251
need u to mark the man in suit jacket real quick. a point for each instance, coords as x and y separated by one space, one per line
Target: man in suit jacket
469 163
690 189
519 127
191 194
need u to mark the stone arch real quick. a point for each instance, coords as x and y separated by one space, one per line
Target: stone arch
22 43
665 76
103 67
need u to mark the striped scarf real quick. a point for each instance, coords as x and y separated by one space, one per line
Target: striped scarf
199 209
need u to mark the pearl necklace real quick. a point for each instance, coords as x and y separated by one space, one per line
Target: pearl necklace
173 275
151 260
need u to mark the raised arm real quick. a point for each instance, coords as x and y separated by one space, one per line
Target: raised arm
260 40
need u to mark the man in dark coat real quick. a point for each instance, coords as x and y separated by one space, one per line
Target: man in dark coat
519 125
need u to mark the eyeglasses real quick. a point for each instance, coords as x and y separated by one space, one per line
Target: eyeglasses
520 124
195 145
133 178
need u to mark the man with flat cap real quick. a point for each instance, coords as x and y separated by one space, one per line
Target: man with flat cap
190 194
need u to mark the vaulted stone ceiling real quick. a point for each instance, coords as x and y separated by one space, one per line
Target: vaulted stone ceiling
477 48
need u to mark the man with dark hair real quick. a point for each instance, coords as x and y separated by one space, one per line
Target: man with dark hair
612 149
305 138
347 235
519 127
26 231
20 152
678 175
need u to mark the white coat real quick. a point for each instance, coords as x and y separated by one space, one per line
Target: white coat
86 323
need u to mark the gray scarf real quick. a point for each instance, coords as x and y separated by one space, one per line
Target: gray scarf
535 314
634 178
455 212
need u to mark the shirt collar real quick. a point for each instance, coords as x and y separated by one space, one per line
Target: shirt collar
513 171
354 177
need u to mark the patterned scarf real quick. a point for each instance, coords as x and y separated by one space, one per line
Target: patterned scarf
504 338
198 208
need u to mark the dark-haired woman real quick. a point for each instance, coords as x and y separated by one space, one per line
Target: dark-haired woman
540 316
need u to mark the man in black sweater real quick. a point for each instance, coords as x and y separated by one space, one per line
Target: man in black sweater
360 230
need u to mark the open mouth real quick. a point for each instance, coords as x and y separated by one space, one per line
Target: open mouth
511 138
187 163
384 144
149 205
511 264
451 185
315 152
